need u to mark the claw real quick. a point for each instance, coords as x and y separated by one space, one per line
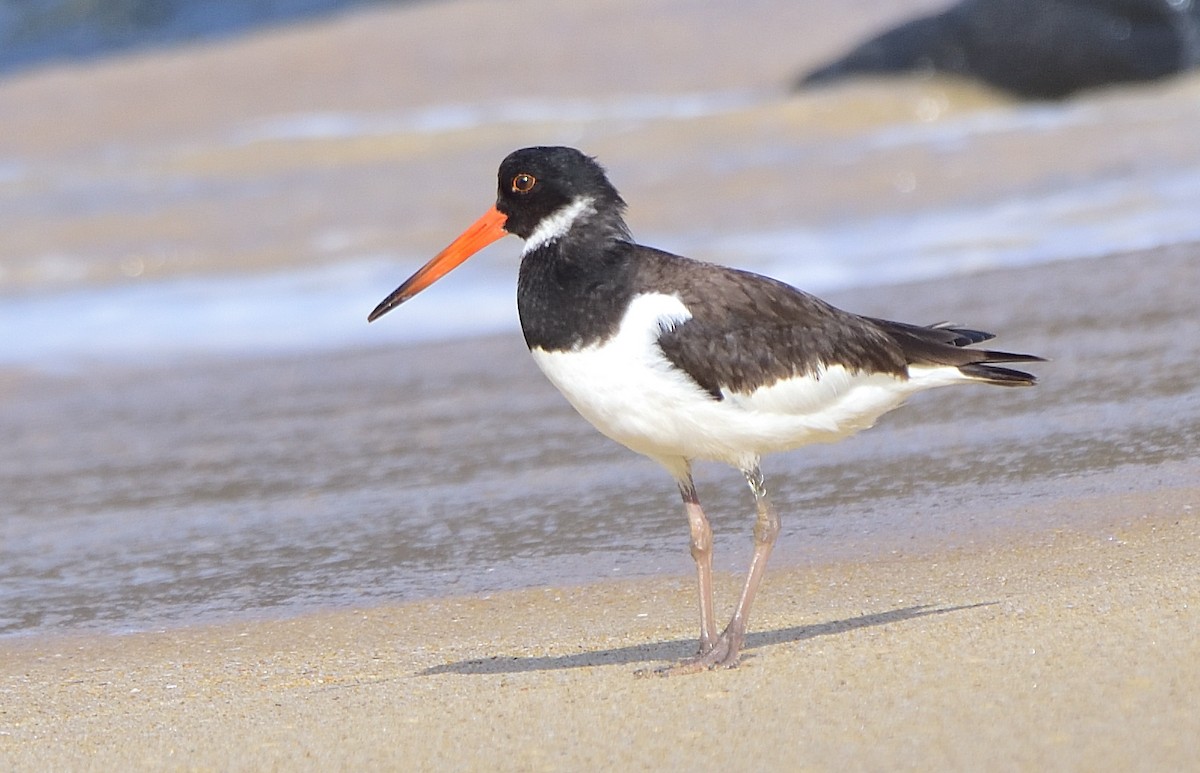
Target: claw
725 653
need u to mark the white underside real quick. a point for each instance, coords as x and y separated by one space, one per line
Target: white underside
629 391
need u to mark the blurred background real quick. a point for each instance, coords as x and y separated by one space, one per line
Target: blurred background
181 177
201 200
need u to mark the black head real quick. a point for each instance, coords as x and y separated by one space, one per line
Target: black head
535 183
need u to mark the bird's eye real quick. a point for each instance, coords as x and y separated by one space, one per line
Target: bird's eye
523 183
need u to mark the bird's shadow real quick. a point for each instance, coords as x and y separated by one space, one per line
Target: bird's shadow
680 648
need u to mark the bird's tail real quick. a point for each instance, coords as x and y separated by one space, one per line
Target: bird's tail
946 343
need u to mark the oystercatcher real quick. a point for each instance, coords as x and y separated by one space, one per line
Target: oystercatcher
682 360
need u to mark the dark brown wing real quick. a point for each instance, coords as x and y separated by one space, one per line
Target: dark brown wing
748 331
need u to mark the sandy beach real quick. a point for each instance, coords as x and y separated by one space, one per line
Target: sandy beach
1072 650
240 529
1056 630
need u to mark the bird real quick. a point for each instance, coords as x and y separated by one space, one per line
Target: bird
682 360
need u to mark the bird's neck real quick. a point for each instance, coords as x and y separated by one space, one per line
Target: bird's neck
573 291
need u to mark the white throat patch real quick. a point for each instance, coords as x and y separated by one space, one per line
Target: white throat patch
558 223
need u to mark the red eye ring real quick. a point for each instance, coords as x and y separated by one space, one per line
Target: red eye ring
523 183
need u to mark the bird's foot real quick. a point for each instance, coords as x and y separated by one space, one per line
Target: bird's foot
725 652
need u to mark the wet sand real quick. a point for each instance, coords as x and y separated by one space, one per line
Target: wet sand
1072 650
1054 629
138 497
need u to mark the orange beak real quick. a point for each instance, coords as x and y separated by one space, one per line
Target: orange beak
483 232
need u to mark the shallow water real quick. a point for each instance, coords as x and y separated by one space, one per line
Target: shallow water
200 424
320 308
263 237
140 496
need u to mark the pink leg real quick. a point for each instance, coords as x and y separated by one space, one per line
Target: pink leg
728 646
702 554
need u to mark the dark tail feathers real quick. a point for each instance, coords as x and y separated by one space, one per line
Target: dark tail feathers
945 343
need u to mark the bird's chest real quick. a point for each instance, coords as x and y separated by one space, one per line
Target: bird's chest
569 304
622 383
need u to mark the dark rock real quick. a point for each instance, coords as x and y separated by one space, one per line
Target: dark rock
1035 48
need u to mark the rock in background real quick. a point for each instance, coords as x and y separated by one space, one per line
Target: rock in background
1038 49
